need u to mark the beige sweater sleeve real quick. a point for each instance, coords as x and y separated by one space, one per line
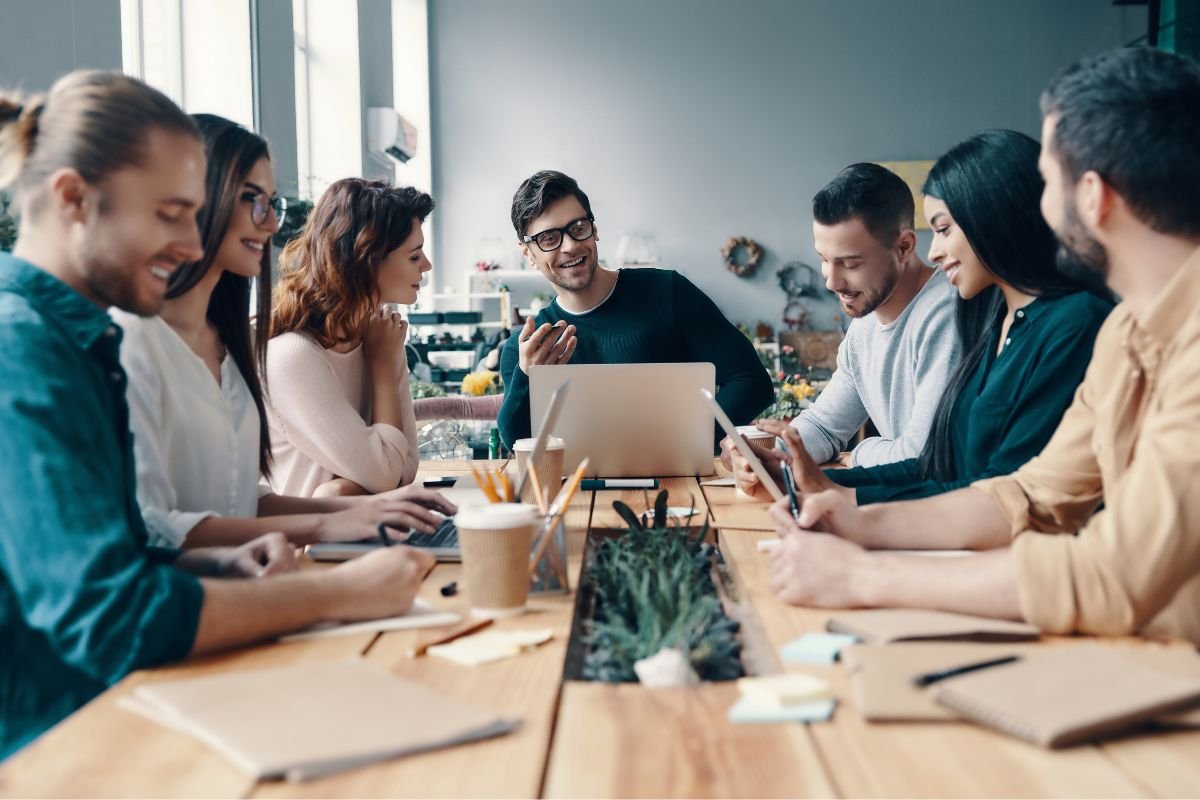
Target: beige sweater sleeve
314 408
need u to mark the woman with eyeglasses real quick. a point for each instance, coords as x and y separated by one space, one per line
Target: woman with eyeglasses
196 399
340 406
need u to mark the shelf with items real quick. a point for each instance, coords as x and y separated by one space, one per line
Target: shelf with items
452 339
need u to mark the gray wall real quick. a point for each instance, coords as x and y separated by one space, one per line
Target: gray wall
698 120
41 40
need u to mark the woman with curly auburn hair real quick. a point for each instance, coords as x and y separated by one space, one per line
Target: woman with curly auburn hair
340 407
195 398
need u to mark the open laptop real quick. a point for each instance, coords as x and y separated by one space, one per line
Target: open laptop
630 420
442 544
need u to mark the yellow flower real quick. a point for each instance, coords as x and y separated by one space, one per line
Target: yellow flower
480 383
801 390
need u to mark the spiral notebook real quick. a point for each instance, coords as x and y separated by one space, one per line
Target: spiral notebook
1066 695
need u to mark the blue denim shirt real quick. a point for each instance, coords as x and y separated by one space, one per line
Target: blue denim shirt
83 600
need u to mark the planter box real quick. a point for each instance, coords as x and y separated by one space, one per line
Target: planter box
581 643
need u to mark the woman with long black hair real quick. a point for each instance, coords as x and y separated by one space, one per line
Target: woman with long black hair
1026 321
195 394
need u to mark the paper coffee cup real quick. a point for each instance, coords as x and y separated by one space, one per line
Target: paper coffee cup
756 437
495 540
549 468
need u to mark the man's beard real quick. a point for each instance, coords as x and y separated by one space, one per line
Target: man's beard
114 285
875 297
1078 254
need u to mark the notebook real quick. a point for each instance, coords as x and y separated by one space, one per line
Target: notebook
307 720
879 626
420 615
881 675
1064 695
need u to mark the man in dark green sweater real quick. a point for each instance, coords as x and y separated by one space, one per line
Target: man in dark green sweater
606 317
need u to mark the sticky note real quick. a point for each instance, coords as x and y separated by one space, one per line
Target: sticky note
748 710
815 648
784 690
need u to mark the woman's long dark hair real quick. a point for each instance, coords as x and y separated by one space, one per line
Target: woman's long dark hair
991 186
232 152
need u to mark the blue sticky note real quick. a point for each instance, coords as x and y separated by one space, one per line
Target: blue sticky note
748 710
815 648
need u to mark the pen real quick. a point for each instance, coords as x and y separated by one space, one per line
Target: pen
942 674
789 483
594 484
381 529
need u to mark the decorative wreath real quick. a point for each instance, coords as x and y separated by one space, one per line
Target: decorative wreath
753 252
798 281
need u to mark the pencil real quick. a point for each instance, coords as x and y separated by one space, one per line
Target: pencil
462 629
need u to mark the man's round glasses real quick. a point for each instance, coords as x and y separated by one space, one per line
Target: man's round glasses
262 203
551 239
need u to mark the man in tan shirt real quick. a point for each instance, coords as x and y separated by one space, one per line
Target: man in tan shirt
1100 533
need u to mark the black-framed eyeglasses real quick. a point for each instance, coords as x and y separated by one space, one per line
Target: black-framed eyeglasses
550 239
262 203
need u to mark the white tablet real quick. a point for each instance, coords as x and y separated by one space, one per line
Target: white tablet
731 431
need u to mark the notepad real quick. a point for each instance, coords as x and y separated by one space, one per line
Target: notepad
308 720
879 626
881 675
749 710
788 689
1064 695
420 615
816 648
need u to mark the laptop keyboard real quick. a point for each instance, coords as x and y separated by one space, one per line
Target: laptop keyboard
446 535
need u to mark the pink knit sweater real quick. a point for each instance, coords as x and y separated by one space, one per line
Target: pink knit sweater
318 405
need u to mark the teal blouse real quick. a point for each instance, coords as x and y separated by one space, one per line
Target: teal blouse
83 600
1011 404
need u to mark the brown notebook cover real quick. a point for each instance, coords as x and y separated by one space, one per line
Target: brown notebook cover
880 626
881 676
308 720
1064 695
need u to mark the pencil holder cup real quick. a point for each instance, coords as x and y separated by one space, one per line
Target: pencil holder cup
549 468
548 575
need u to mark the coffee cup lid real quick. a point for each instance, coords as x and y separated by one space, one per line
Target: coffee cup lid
751 431
526 445
496 516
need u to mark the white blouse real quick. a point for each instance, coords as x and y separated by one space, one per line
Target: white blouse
195 442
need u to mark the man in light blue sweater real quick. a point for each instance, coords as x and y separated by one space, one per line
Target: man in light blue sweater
901 345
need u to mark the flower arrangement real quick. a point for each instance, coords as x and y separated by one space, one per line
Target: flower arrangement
794 395
485 381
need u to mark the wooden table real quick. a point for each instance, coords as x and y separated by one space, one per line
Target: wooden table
594 740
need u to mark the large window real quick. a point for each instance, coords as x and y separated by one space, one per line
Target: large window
198 52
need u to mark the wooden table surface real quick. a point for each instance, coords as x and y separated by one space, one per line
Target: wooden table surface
595 740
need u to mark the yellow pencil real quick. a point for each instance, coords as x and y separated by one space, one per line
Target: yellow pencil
485 484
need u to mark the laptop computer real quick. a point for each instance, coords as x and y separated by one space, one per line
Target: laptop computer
630 420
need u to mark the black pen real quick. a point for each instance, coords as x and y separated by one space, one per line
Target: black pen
383 535
942 674
789 483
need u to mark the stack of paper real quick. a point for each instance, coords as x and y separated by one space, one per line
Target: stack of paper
783 698
490 646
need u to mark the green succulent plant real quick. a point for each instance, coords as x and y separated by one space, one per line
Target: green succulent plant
654 589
